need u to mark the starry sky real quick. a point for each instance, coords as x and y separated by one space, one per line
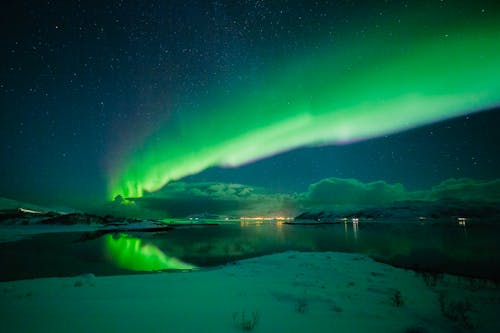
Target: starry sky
110 98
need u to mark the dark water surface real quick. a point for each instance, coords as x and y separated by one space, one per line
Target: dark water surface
473 250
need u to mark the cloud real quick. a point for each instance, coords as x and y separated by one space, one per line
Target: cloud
180 199
465 189
338 191
213 190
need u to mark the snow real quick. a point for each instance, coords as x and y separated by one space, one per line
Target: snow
12 233
15 232
287 292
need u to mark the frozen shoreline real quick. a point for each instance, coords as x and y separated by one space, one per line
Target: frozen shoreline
15 232
288 292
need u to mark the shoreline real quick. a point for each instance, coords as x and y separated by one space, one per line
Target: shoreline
288 292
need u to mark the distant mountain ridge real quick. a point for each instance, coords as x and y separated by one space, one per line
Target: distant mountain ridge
409 211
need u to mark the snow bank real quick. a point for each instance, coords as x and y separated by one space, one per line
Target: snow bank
287 292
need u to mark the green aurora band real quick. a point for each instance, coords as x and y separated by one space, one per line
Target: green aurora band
350 92
129 253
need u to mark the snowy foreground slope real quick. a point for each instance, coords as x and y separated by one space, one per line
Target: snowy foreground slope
287 292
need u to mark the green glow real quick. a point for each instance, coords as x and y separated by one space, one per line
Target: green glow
129 253
338 95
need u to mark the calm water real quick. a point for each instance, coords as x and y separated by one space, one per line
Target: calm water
472 250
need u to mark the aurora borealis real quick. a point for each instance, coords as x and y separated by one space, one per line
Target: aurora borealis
265 165
324 103
327 98
108 100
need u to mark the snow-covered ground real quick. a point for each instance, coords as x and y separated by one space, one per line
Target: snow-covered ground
287 292
15 232
11 233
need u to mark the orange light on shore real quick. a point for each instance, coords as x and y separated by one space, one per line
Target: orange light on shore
266 218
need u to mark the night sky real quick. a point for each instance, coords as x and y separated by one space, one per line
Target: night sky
110 98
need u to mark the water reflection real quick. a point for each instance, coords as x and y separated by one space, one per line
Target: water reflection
462 221
355 229
354 226
450 247
129 253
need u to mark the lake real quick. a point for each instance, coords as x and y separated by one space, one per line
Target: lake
471 250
